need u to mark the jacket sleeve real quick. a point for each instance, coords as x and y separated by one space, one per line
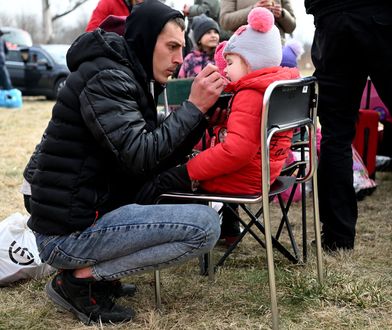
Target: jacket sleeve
287 22
231 18
110 106
242 142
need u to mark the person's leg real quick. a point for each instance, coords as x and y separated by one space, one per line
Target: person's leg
230 228
130 239
379 61
135 238
5 80
336 56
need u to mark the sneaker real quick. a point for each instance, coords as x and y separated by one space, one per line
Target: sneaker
89 300
123 289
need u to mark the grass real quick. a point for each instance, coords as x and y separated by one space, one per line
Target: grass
356 294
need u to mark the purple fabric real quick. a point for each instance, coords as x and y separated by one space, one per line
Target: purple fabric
194 62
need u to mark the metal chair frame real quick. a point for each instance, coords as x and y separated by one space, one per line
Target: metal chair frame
287 104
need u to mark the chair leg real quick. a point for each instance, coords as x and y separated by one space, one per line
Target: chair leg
158 302
270 264
210 266
317 230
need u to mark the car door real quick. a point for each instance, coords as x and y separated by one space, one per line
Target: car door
16 68
39 71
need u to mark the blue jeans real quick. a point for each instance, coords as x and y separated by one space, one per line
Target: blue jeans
134 238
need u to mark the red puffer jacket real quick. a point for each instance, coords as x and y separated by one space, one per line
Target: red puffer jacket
104 9
233 166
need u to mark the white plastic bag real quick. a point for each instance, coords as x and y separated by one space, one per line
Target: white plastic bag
19 257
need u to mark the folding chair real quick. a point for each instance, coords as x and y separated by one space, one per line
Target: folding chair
287 105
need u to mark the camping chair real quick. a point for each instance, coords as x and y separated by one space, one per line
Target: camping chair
287 105
176 92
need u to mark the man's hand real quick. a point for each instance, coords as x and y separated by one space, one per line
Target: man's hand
206 88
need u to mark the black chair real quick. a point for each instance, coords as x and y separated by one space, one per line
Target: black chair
289 104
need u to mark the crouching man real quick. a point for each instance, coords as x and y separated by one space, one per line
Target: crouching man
101 145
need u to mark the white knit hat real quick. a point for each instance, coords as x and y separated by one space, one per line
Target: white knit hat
258 43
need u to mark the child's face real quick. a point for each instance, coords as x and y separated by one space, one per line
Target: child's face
209 40
236 67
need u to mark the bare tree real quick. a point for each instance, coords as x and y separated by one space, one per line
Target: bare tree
48 18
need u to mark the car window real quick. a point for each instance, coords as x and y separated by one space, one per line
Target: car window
37 56
13 55
58 52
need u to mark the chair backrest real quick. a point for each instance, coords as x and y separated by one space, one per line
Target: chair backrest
289 104
176 92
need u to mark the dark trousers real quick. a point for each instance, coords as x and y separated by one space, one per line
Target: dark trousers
348 47
5 80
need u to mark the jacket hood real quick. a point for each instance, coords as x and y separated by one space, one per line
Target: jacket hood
143 27
261 79
91 45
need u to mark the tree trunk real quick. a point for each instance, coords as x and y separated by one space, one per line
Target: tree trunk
47 21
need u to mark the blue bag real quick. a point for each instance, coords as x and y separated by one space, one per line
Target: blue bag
10 98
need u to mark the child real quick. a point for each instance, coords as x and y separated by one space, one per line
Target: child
206 34
292 51
253 55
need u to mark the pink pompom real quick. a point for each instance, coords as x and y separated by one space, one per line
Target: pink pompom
261 19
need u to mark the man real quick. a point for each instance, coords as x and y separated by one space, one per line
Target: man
102 143
5 81
352 41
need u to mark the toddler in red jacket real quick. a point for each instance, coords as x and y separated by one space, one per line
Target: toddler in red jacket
232 166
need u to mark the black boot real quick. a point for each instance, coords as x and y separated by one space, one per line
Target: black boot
230 228
89 300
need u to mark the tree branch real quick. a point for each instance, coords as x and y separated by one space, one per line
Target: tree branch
76 5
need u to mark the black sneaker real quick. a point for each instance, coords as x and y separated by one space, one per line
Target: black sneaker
123 289
89 300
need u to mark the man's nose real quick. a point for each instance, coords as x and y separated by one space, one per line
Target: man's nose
178 57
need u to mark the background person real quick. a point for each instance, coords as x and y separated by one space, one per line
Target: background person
206 34
105 8
234 13
5 81
101 144
352 41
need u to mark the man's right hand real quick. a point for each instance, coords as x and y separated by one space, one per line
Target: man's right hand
206 88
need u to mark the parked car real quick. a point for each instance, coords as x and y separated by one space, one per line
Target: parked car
38 70
15 37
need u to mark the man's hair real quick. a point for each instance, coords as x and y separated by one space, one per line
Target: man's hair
179 22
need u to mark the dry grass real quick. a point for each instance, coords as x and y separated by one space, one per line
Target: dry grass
357 293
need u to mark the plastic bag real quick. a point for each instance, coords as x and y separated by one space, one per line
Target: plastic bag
363 185
19 257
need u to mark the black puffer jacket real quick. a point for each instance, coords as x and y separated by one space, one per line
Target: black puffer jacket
102 141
